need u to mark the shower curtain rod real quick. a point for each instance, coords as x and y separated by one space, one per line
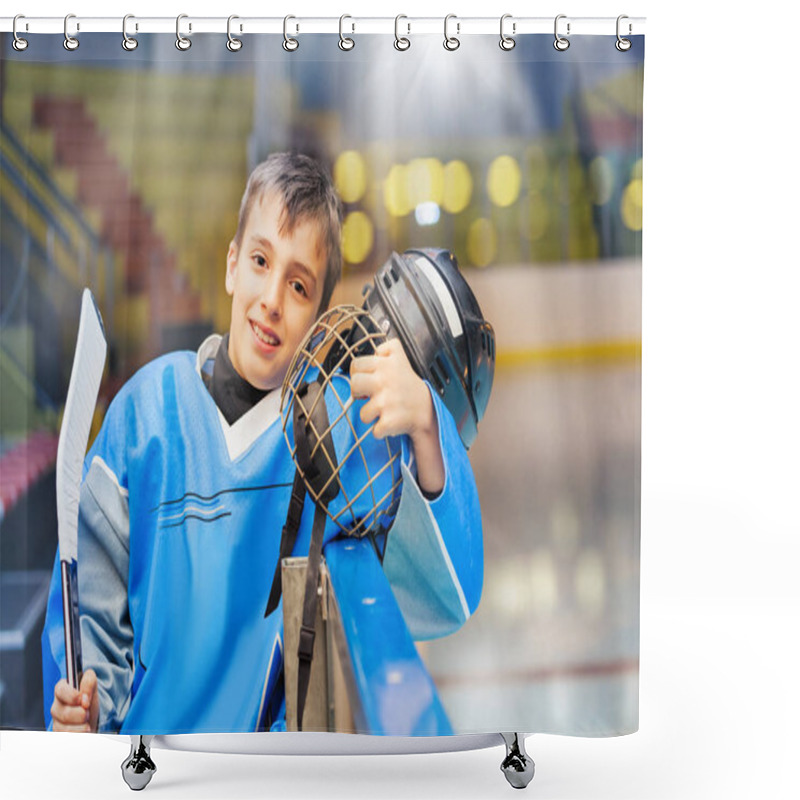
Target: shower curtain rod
407 26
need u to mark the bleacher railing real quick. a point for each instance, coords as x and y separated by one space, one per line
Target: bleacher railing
56 225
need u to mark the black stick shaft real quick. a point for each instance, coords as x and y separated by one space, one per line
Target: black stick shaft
72 625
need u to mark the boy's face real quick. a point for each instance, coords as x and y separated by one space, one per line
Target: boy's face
276 281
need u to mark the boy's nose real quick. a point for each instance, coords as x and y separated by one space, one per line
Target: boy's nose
272 299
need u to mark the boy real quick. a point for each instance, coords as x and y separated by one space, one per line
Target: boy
187 485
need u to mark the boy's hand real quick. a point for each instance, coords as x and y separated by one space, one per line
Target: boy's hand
399 401
76 710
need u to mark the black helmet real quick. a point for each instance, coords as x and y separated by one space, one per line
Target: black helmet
421 297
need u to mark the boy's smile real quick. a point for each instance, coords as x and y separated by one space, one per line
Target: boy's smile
275 277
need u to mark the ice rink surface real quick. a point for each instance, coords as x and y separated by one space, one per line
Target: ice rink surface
557 465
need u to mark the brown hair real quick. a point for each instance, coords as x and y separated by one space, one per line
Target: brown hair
307 193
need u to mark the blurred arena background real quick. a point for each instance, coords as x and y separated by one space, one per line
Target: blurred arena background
124 171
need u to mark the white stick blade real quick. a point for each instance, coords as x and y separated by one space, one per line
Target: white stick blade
84 384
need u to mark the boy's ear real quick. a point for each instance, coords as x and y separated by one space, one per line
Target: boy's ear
230 269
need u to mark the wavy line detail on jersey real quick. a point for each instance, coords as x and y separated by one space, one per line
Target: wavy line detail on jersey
195 516
221 492
206 512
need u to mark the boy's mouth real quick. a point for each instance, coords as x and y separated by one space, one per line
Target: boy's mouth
265 335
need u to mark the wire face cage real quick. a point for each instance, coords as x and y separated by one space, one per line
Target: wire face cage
353 475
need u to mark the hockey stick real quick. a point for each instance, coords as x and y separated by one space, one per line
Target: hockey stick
84 383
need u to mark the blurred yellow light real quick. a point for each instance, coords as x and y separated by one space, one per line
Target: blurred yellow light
395 192
504 181
357 237
631 205
538 218
601 180
425 177
538 169
636 170
436 172
457 187
481 242
350 176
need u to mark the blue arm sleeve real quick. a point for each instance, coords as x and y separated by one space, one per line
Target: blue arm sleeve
434 551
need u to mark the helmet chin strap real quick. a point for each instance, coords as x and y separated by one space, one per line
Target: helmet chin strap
316 471
305 647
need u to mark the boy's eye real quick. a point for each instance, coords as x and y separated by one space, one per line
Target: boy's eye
260 260
299 288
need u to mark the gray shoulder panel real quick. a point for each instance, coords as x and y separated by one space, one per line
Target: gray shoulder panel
103 556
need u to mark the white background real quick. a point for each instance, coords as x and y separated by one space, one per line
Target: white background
720 536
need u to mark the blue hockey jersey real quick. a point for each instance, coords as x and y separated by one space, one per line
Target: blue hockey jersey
179 532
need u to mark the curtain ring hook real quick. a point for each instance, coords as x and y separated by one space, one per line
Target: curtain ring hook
19 43
129 43
561 43
233 44
290 44
181 42
507 42
70 42
401 42
451 42
623 44
345 42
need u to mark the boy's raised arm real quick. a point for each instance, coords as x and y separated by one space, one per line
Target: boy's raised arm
434 552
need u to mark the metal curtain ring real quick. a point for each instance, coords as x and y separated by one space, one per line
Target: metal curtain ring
507 42
401 42
233 44
181 42
622 44
345 42
19 43
290 44
128 42
451 42
561 43
70 42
